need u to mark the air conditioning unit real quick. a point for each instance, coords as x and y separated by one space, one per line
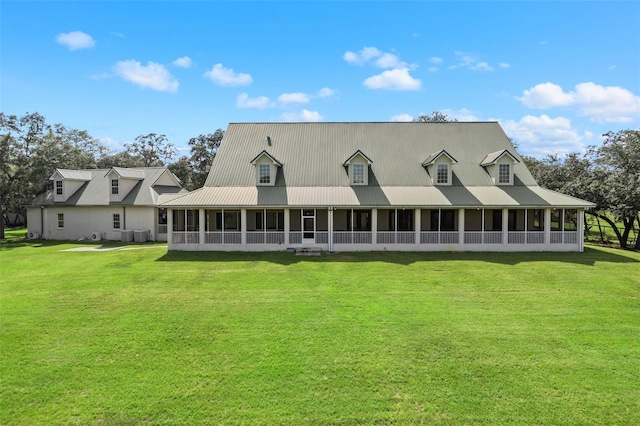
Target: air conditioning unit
33 235
96 236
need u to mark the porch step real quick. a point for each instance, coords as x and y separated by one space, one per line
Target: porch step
308 251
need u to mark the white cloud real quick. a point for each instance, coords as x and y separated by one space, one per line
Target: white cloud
75 40
363 56
227 77
462 114
402 117
325 92
607 104
388 60
600 103
539 136
435 60
396 79
154 76
110 142
432 69
504 65
261 102
288 98
481 66
304 115
183 62
546 95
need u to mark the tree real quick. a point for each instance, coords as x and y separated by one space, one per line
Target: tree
183 171
618 164
119 159
203 150
30 149
608 176
154 150
435 116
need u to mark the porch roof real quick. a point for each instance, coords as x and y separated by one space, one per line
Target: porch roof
375 196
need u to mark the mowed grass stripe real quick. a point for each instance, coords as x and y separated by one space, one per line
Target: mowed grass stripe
150 337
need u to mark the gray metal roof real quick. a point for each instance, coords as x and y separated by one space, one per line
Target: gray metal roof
72 174
313 172
95 192
313 154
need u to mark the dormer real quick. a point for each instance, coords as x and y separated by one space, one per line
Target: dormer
167 179
439 166
358 168
266 169
67 182
499 165
121 181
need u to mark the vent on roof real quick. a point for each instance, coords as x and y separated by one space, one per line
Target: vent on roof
269 140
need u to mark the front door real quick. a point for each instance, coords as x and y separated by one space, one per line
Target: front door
308 226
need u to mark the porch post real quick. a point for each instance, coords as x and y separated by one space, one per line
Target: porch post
201 223
580 230
169 226
330 228
460 226
287 226
243 226
418 224
505 226
547 226
374 226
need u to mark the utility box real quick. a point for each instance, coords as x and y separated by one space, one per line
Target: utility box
139 236
126 236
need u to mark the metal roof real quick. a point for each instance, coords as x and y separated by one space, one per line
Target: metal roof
376 196
95 191
72 174
313 173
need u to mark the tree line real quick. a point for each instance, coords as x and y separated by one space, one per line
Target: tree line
31 149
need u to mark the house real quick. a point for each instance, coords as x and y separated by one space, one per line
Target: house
372 186
113 204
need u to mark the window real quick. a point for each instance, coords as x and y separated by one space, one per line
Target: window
232 221
504 173
259 221
358 173
360 219
442 174
116 221
60 220
275 220
114 186
264 171
59 187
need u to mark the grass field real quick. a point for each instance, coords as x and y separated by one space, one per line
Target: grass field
143 336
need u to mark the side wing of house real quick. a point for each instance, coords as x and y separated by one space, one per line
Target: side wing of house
114 204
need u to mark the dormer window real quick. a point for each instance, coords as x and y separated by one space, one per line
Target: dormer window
59 188
114 186
442 174
265 174
499 166
439 166
358 173
266 169
504 173
357 167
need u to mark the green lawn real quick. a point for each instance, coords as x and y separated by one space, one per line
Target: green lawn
143 336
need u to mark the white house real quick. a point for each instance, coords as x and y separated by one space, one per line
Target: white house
113 204
372 186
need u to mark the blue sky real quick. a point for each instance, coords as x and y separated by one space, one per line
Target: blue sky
556 75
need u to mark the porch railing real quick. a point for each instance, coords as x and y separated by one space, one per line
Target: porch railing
185 237
564 237
220 237
268 237
355 237
393 237
535 237
435 237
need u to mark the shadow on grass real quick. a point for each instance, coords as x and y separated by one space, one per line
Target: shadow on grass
589 257
15 243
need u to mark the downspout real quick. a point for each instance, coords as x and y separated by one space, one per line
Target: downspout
42 222
124 217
